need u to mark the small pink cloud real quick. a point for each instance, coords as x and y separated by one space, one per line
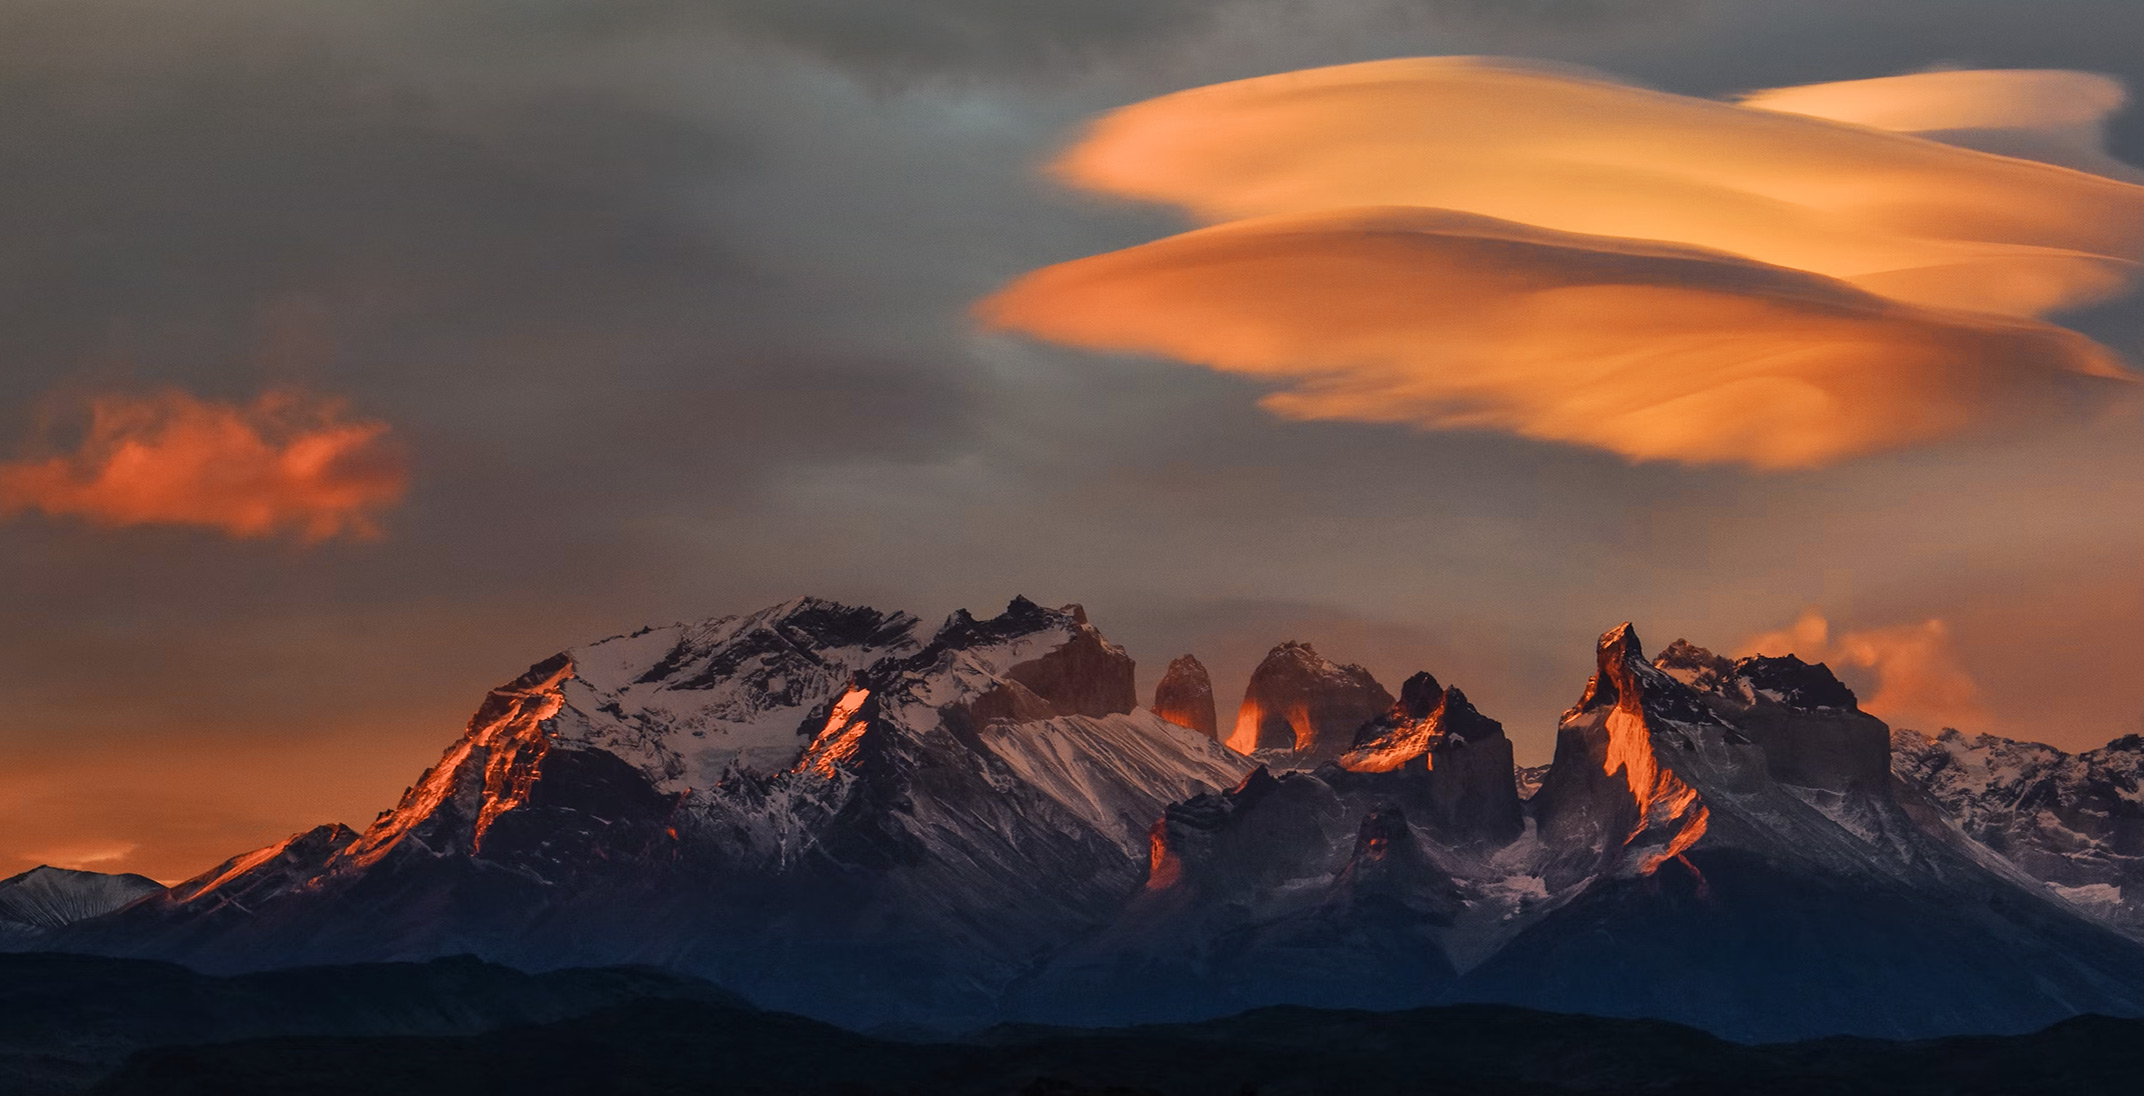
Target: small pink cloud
288 463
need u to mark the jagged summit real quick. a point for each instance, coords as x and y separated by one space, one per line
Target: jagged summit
1810 725
1419 696
1184 696
1608 798
1303 706
1757 679
1438 756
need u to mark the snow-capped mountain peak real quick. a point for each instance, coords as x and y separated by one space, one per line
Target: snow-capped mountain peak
46 897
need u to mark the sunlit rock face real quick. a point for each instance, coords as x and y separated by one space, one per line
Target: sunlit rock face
1608 801
266 872
2074 821
1447 763
1184 696
1301 705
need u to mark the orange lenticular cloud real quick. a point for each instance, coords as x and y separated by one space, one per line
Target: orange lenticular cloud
2051 100
288 462
2052 115
1469 243
1920 682
1912 218
1654 351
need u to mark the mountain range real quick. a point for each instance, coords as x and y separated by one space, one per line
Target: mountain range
845 813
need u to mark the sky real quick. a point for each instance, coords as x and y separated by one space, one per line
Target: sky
360 355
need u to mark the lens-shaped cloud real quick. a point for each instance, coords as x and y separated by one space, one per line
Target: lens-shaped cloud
288 462
1924 102
1650 350
1462 243
1910 218
2052 115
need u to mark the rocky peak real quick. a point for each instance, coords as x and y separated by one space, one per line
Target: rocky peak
1812 732
1758 679
1610 790
1437 752
1301 704
1088 675
1382 829
1419 696
1427 717
1624 678
1698 668
771 649
1184 697
1051 656
1789 681
1022 617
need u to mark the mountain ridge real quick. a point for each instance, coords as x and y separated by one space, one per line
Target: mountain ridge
840 812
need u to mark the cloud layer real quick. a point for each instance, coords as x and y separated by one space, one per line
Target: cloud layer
1665 277
286 463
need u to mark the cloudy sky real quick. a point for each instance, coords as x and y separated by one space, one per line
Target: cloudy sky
359 355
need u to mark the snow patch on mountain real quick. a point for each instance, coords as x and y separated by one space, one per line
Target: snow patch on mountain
2072 821
688 703
1118 772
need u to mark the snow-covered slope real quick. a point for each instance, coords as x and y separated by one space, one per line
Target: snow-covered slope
688 703
2073 821
46 898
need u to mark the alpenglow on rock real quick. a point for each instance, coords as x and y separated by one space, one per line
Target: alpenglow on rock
1447 763
1301 705
1184 697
